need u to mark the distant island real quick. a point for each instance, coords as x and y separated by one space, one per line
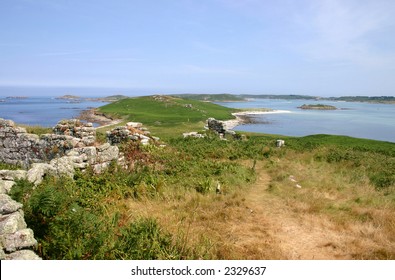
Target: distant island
111 98
75 98
17 97
282 96
226 97
369 99
68 97
317 107
222 97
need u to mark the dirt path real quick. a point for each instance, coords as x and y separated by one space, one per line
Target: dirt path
297 236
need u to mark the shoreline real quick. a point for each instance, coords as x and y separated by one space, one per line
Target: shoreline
246 117
92 115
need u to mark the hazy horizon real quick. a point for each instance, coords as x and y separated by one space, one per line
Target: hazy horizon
56 91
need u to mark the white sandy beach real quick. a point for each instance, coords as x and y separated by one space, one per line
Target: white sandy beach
240 117
246 113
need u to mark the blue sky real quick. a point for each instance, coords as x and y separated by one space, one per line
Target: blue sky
314 47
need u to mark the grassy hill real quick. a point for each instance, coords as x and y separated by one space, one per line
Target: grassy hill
167 115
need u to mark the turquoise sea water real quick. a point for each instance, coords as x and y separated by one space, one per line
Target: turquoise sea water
362 120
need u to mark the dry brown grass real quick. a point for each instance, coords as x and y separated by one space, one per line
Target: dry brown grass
332 216
356 220
215 226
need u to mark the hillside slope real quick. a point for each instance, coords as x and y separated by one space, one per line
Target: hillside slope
166 115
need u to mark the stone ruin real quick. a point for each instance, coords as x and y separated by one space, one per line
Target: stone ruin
71 146
75 128
132 131
219 127
16 239
18 147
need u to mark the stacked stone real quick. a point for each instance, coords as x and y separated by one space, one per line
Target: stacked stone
16 240
75 128
15 144
78 158
131 131
21 148
220 128
215 125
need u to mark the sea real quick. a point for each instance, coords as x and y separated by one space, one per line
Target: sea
355 119
40 106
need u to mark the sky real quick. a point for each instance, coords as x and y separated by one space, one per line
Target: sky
312 47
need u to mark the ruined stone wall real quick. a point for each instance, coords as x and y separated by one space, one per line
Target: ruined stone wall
71 147
215 125
132 131
21 148
16 240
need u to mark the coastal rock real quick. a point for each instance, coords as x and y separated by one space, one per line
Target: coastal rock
8 205
23 238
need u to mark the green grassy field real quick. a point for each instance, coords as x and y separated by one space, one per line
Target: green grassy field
167 116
